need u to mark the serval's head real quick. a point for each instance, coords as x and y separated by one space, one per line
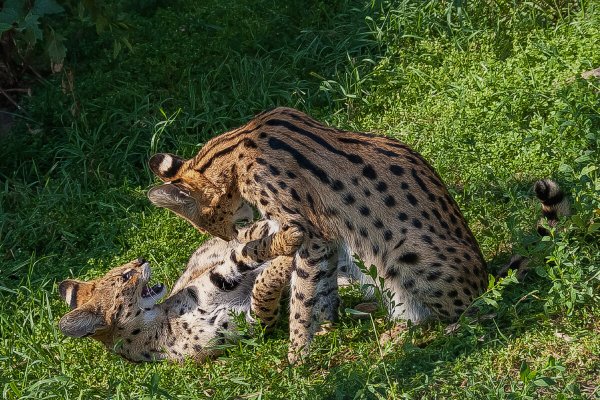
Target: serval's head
99 305
213 207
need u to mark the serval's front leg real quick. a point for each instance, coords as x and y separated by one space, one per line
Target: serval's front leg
312 287
284 242
270 284
257 230
268 288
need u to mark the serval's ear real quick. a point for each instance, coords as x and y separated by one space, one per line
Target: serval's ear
172 197
81 322
75 293
165 166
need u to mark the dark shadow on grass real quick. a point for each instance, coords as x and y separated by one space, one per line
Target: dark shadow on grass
418 356
69 169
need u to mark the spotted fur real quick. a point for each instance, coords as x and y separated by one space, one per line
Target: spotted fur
331 189
121 311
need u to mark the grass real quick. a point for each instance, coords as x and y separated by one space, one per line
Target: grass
490 93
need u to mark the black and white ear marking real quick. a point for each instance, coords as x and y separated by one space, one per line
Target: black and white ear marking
169 196
68 291
165 165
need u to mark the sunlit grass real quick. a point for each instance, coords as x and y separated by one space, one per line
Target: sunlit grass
489 92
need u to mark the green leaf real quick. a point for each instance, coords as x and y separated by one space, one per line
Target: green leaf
594 227
55 47
544 382
565 168
12 12
351 311
46 7
5 27
490 302
116 48
587 169
32 24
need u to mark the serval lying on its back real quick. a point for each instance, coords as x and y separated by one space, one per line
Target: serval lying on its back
329 188
120 310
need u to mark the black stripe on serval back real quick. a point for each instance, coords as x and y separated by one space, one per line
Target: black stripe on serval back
353 158
301 160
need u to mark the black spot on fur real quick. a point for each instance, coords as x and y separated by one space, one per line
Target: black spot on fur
381 186
458 232
411 199
375 249
396 170
409 258
349 199
387 235
369 172
337 185
400 243
409 284
433 275
443 204
274 170
390 201
302 273
295 194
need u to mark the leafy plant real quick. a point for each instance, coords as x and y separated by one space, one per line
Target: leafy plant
23 25
35 28
383 296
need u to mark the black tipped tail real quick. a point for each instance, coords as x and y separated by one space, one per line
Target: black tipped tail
517 263
554 204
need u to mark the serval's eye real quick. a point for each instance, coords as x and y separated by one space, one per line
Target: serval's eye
127 275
